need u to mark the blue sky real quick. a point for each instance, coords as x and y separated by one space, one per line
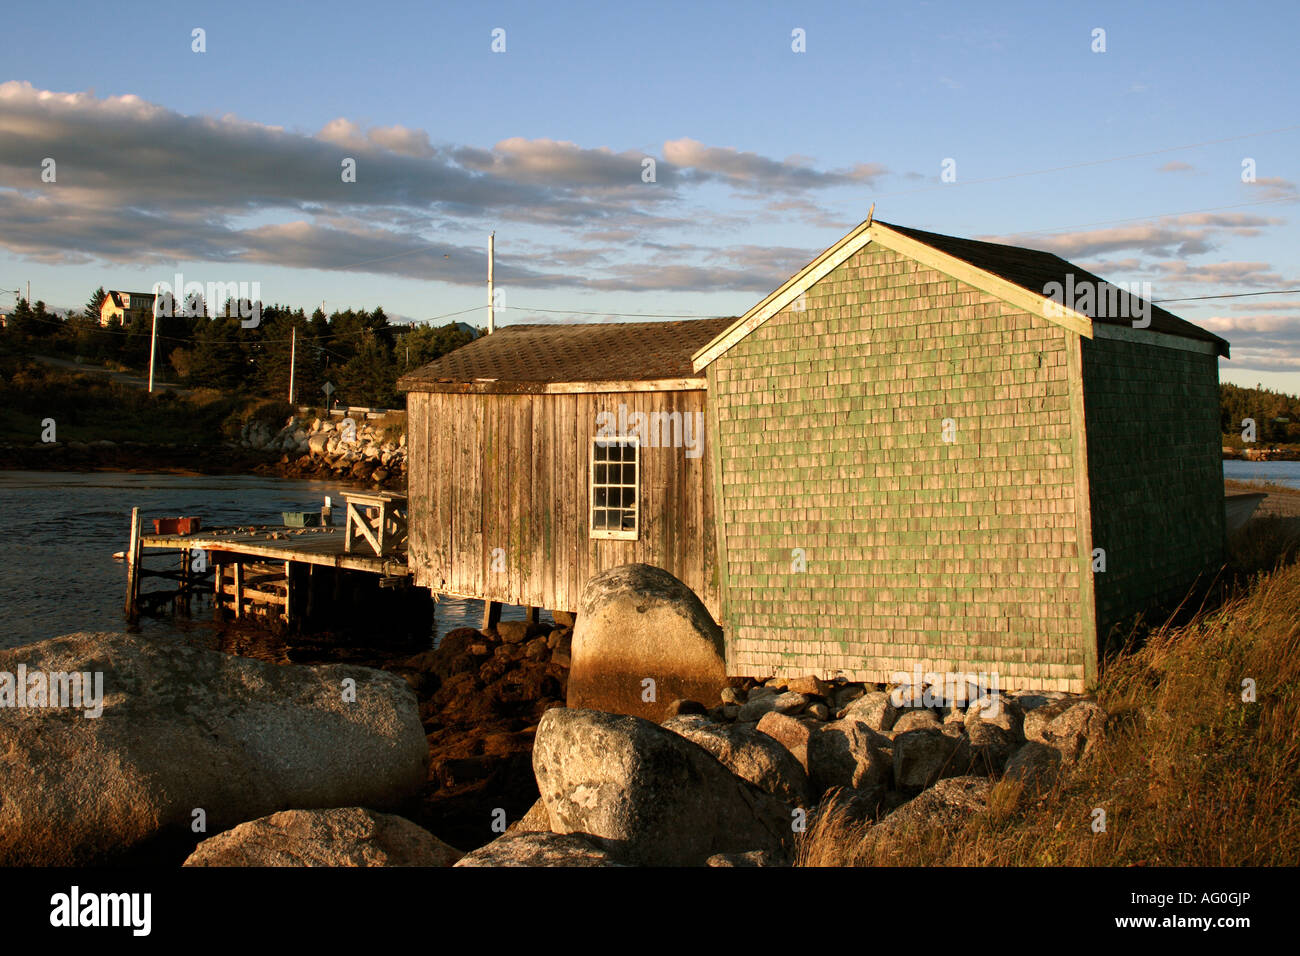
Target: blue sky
225 165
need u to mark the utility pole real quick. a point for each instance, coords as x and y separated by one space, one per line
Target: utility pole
492 309
293 355
153 341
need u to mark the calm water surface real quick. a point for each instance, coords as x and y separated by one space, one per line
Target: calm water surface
60 530
1285 473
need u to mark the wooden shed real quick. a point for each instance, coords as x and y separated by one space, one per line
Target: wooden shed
543 454
937 453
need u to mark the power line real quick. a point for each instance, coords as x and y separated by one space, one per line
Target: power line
1229 295
638 315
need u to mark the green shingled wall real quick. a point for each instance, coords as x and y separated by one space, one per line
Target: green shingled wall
960 556
1155 471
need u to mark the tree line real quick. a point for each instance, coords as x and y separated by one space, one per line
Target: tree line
1276 414
357 351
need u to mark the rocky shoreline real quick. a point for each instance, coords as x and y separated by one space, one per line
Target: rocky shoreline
312 449
505 775
343 449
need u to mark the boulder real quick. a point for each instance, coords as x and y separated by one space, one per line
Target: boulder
842 806
647 795
915 720
1036 765
563 618
793 734
924 756
536 820
538 848
787 702
752 858
874 709
183 728
683 707
1071 726
810 685
639 623
751 755
845 694
347 836
990 746
947 805
848 753
1033 699
512 632
1000 711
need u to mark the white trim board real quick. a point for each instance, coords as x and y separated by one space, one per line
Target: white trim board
1123 333
914 249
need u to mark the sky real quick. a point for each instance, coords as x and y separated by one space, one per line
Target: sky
656 159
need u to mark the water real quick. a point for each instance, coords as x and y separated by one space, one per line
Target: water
60 530
1285 473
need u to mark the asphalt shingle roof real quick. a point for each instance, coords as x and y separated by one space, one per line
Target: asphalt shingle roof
1033 269
521 357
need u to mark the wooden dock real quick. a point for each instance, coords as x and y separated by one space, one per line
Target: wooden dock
305 578
323 547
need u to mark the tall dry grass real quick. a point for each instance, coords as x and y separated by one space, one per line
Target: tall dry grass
1188 774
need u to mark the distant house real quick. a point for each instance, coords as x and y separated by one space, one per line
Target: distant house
125 307
921 452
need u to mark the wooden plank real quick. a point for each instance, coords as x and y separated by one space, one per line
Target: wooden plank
491 615
439 430
474 498
540 588
708 518
1082 506
239 589
132 604
717 504
566 499
585 550
508 513
607 386
324 548
524 471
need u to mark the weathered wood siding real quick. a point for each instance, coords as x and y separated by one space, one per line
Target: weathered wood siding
957 557
512 472
1156 471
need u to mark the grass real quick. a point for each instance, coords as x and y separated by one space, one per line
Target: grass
87 407
1188 774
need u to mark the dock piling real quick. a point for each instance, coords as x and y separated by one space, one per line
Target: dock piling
132 606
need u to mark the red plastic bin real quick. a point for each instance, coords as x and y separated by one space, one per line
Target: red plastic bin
177 525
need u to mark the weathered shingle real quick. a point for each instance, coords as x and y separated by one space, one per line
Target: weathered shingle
1033 269
521 357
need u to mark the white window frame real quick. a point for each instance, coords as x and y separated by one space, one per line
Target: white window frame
621 534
